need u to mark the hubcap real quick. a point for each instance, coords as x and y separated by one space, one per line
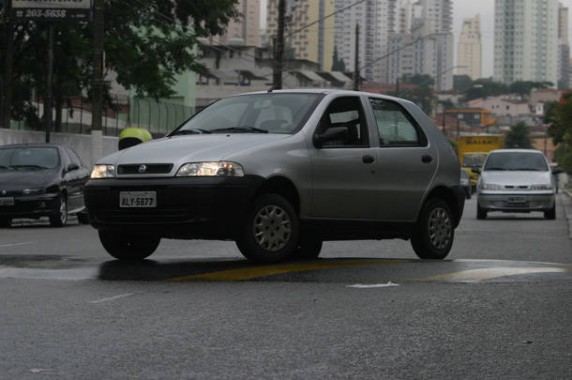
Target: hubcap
63 211
439 228
272 228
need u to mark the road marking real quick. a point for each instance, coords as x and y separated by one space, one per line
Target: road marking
369 286
107 299
271 270
16 244
475 275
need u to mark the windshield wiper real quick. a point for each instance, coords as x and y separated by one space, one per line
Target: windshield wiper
192 131
240 130
495 168
28 167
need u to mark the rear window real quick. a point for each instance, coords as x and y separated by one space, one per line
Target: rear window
516 161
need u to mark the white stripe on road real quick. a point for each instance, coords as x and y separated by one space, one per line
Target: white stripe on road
106 299
474 275
368 286
16 244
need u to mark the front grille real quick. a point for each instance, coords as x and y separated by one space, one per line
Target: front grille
142 169
517 188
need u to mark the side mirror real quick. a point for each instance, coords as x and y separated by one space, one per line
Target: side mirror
329 135
557 170
72 167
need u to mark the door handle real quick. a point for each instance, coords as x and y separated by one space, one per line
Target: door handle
426 158
367 159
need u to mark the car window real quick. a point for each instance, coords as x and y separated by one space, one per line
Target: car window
29 158
395 126
345 112
516 161
74 157
256 113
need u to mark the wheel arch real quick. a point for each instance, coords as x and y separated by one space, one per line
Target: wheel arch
451 198
283 187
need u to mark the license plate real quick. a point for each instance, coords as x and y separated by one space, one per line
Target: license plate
517 200
138 199
7 201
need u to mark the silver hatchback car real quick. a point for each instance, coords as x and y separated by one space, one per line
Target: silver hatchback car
516 180
280 172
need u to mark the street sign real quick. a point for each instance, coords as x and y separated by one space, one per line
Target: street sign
52 9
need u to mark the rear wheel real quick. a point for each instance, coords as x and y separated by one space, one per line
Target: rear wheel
59 216
481 212
309 247
434 233
550 214
270 230
127 246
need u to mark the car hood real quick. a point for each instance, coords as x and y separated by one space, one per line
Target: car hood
17 179
179 149
516 177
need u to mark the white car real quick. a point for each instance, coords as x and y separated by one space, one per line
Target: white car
516 180
279 172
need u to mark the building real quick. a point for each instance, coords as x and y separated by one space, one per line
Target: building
246 30
308 32
526 41
563 49
469 49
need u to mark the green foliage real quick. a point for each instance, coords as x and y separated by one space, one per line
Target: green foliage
518 137
559 116
146 43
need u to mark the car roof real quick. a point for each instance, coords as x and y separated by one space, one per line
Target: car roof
517 150
26 145
323 91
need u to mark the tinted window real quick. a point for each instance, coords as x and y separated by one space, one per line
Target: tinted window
345 113
516 161
395 125
29 158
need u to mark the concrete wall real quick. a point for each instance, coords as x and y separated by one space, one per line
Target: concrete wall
82 144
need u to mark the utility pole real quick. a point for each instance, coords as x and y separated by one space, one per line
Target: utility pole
356 62
8 62
48 103
97 80
278 66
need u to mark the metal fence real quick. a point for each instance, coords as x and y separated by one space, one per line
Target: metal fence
157 116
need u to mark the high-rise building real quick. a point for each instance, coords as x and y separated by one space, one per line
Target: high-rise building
526 41
377 20
563 49
244 31
308 31
469 49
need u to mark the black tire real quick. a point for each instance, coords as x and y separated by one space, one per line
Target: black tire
309 247
83 217
127 246
550 214
270 230
59 216
434 233
5 222
481 212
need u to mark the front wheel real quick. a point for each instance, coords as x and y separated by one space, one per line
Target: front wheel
433 236
481 212
270 230
550 214
5 222
59 216
127 246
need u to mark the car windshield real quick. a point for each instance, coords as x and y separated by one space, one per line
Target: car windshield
516 161
29 158
259 113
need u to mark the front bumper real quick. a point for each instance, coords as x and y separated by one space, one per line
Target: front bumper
28 206
516 202
200 207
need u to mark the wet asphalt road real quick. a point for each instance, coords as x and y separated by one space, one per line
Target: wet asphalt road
499 307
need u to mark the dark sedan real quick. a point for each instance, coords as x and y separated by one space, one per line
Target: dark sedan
40 180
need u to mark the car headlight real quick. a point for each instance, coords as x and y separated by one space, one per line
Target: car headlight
210 169
102 171
541 187
490 186
32 191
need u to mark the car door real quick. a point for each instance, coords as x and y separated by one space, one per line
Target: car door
343 182
75 177
405 162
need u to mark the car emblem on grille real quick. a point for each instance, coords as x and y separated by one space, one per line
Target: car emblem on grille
142 169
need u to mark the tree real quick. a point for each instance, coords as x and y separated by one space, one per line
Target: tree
422 93
559 116
518 137
147 45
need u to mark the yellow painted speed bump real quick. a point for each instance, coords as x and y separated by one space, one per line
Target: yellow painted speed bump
250 273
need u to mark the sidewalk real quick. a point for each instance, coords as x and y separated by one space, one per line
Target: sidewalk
565 197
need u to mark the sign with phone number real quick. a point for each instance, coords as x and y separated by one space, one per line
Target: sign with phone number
51 9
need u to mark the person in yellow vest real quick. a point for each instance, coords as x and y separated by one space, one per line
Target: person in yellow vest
133 136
